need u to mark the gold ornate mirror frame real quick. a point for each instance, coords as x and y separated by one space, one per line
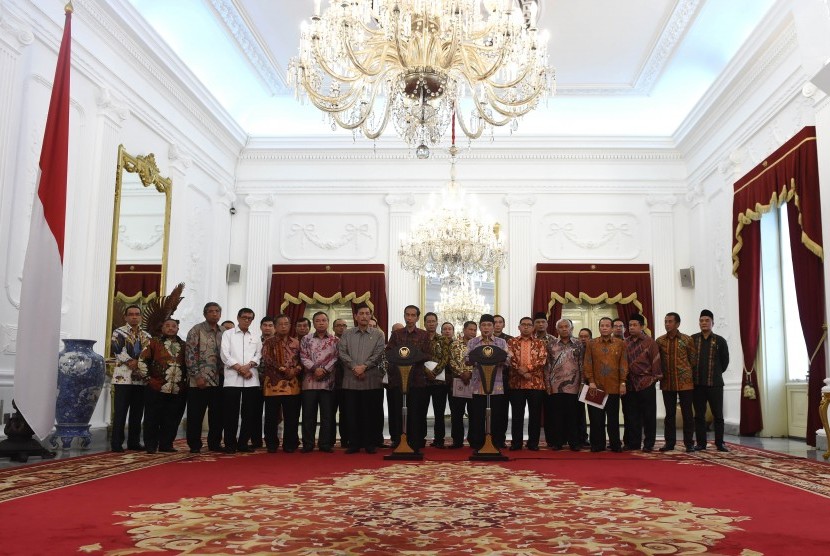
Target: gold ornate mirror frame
148 172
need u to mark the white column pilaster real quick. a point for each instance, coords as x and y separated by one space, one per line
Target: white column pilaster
403 287
520 271
100 196
221 245
663 268
179 162
256 266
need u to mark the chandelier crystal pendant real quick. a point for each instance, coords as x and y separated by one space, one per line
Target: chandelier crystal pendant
453 238
416 62
460 303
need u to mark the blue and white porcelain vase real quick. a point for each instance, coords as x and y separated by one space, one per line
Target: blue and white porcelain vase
80 380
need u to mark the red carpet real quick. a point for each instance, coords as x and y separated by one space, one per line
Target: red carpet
745 502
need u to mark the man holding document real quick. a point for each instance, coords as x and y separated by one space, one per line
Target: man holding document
606 370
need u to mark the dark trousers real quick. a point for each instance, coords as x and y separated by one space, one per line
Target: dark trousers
394 403
162 415
499 420
478 411
362 408
237 401
640 411
290 408
598 417
314 400
438 395
458 406
338 402
670 398
417 405
562 424
129 398
200 400
256 424
533 399
713 395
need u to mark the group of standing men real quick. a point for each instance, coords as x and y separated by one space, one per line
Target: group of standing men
229 371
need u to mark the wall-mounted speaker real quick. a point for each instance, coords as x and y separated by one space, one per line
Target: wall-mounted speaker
822 79
232 273
687 277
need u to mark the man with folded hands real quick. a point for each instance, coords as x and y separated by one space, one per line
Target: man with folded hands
606 369
644 370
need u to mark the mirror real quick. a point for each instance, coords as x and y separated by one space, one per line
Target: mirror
486 290
140 235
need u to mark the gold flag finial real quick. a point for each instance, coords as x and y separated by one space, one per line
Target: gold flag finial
69 8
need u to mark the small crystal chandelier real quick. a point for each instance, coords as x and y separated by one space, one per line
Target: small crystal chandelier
460 303
416 62
453 238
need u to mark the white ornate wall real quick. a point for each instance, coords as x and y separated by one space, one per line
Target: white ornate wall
661 201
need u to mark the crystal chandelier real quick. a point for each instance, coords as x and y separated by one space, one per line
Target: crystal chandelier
460 303
416 62
453 238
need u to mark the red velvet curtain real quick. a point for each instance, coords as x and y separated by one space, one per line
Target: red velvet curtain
623 284
789 175
808 271
292 285
131 279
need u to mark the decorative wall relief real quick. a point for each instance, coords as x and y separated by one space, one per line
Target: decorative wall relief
590 236
8 339
344 236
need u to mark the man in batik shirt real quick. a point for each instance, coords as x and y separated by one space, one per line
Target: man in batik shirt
640 401
204 368
526 380
162 364
417 396
678 356
461 393
437 388
318 356
563 382
128 386
606 368
712 361
281 386
337 400
498 401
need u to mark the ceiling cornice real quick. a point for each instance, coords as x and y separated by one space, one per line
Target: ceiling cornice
238 24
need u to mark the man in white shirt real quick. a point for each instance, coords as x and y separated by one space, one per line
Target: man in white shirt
241 351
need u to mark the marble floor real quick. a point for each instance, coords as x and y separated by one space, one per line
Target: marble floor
795 447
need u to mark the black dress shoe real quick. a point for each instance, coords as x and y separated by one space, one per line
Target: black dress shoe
533 448
307 449
456 446
690 449
327 450
150 451
722 448
555 447
215 449
597 449
667 448
138 447
575 448
289 450
437 444
352 450
246 449
700 447
195 450
373 450
118 449
515 448
230 450
647 449
271 449
170 450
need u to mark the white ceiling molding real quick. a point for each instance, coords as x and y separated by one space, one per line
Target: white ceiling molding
675 28
239 26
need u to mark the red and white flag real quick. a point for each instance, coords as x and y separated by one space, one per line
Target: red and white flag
38 326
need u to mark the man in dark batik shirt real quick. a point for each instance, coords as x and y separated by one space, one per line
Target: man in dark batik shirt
712 361
640 402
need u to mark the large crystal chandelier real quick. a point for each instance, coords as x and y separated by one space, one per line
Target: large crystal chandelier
461 302
416 62
453 238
